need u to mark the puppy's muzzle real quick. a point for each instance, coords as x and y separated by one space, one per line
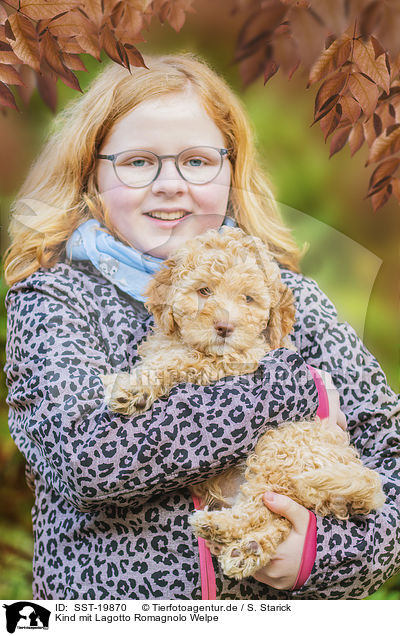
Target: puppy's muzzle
224 329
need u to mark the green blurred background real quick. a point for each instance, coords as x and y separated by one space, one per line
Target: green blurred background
353 252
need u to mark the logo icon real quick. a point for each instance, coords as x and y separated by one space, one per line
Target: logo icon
26 615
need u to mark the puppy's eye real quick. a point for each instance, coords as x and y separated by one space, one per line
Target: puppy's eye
204 291
249 299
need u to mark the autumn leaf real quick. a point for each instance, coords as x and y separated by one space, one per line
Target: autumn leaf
365 91
376 69
378 199
26 43
385 145
308 33
50 51
339 139
6 97
356 138
351 108
331 59
45 9
47 87
330 122
9 75
382 175
333 14
329 94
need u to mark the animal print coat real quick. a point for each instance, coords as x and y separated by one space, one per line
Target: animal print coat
111 497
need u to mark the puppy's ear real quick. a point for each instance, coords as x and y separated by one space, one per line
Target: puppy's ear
159 297
281 319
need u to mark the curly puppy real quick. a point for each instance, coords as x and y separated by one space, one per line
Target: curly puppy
219 306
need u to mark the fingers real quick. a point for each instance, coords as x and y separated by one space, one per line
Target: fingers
291 510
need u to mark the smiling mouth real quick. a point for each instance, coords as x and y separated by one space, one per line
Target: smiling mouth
168 216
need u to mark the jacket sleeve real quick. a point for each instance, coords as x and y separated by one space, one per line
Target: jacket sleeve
90 455
354 557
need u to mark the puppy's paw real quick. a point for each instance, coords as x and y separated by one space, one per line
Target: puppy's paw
242 558
123 394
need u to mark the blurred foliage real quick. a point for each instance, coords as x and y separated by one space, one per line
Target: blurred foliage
353 253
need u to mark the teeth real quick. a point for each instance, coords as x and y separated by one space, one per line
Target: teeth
170 216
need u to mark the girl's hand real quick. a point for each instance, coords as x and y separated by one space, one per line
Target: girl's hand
281 572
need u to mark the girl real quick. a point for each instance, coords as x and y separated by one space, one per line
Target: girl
143 161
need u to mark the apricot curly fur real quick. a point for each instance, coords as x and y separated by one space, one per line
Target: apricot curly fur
202 336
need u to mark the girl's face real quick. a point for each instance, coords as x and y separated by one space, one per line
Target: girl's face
166 126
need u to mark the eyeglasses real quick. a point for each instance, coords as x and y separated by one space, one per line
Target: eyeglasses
139 168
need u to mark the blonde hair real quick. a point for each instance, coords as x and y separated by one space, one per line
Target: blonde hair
60 190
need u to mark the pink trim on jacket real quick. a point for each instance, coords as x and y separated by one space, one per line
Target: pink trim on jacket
207 574
309 553
323 402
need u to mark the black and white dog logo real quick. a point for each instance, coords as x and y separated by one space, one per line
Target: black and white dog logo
26 615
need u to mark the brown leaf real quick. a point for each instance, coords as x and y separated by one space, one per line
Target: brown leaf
26 43
285 51
251 67
6 97
10 75
339 139
270 69
93 10
29 78
129 24
378 199
308 33
328 91
89 40
45 9
331 59
376 69
112 47
134 56
333 14
351 108
7 55
47 87
381 176
364 91
385 145
330 122
51 52
370 18
257 29
356 137
387 25
3 14
377 124
71 24
73 62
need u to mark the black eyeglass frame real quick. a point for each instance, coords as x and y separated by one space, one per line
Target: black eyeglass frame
222 151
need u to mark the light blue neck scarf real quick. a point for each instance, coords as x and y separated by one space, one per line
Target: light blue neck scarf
126 267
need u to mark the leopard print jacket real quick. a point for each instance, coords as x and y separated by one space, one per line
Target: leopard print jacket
111 498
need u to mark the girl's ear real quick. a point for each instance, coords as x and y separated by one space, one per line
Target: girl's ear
159 298
281 319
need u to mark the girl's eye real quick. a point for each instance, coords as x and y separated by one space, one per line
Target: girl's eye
196 162
249 299
138 163
204 291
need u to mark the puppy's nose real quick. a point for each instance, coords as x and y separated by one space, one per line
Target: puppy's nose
224 329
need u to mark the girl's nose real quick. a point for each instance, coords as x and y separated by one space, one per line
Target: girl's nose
169 181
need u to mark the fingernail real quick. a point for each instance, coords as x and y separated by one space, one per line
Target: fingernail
269 496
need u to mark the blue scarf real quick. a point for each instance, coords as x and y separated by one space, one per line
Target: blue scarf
126 267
